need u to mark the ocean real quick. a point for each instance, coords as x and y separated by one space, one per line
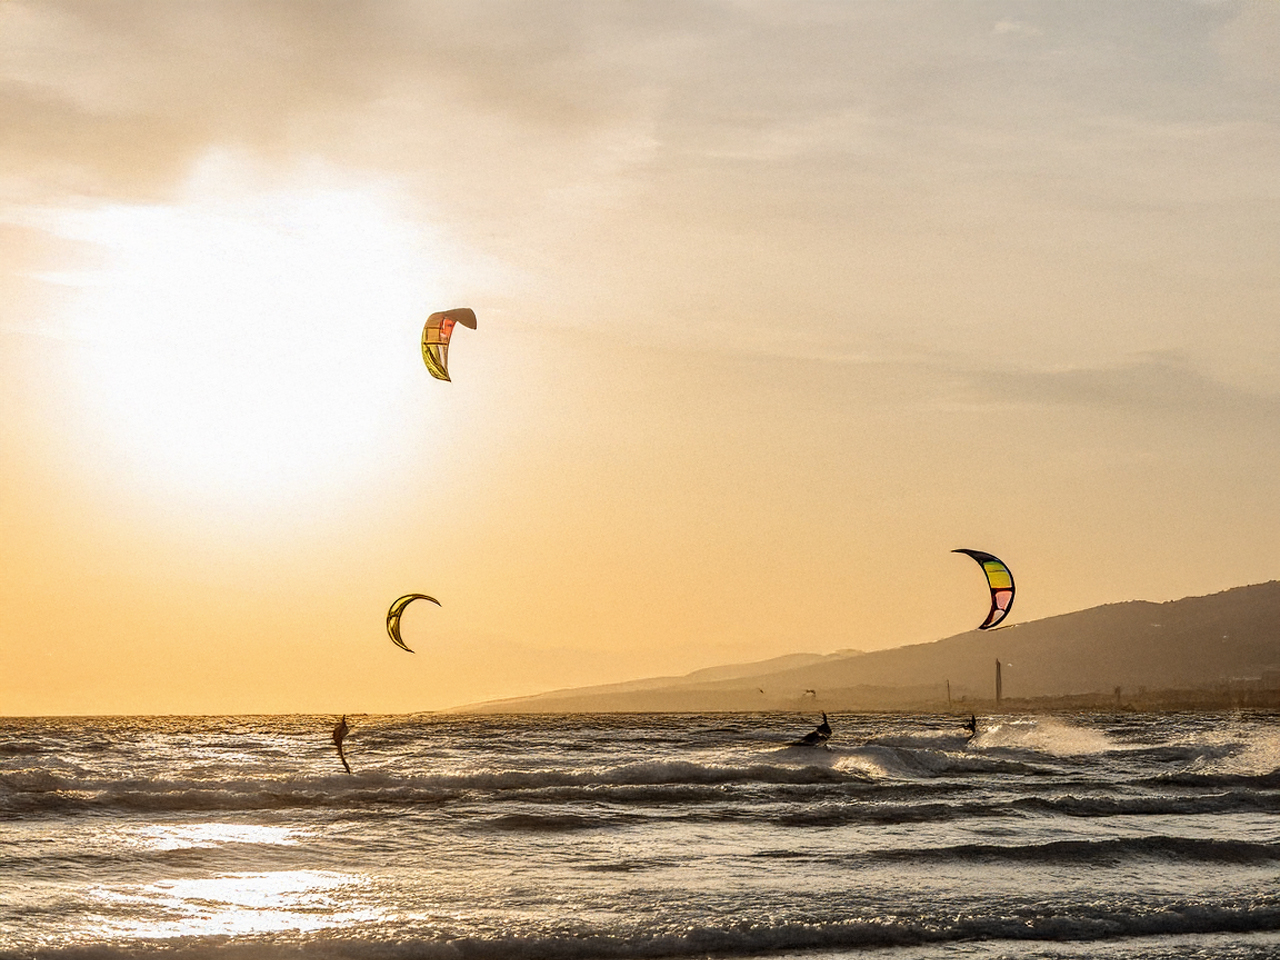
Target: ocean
641 836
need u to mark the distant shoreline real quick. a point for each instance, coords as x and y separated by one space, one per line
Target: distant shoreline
1151 701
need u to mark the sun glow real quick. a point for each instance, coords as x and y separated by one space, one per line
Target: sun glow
247 346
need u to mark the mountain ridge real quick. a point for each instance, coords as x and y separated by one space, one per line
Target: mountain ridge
1232 636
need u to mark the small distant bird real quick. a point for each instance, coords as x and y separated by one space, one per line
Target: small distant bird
340 734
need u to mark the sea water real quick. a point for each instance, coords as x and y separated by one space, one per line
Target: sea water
641 836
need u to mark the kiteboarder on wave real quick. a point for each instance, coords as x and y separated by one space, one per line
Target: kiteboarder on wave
339 734
972 726
816 737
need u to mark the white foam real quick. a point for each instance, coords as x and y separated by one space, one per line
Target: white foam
1047 735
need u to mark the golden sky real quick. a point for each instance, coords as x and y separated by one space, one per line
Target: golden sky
779 302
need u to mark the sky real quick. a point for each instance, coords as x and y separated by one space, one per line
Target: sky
779 303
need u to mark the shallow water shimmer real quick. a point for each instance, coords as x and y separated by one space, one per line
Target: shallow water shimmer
641 836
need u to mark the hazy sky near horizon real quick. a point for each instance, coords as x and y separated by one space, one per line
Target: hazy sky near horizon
779 302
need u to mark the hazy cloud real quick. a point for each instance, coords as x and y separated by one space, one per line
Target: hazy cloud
1159 385
1017 26
124 94
918 171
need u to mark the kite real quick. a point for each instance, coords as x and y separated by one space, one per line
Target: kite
1000 580
397 608
435 338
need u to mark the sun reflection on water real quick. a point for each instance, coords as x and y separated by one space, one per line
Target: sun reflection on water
188 836
236 904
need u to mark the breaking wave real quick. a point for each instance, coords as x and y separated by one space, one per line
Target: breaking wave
1071 921
38 790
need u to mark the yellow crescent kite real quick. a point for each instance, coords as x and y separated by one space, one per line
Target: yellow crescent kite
394 614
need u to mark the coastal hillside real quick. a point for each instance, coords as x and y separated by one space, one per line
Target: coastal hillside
1123 651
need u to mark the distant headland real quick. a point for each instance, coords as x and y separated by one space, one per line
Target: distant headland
1214 652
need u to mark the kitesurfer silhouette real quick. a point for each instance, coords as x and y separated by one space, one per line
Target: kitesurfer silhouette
972 726
816 737
339 734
